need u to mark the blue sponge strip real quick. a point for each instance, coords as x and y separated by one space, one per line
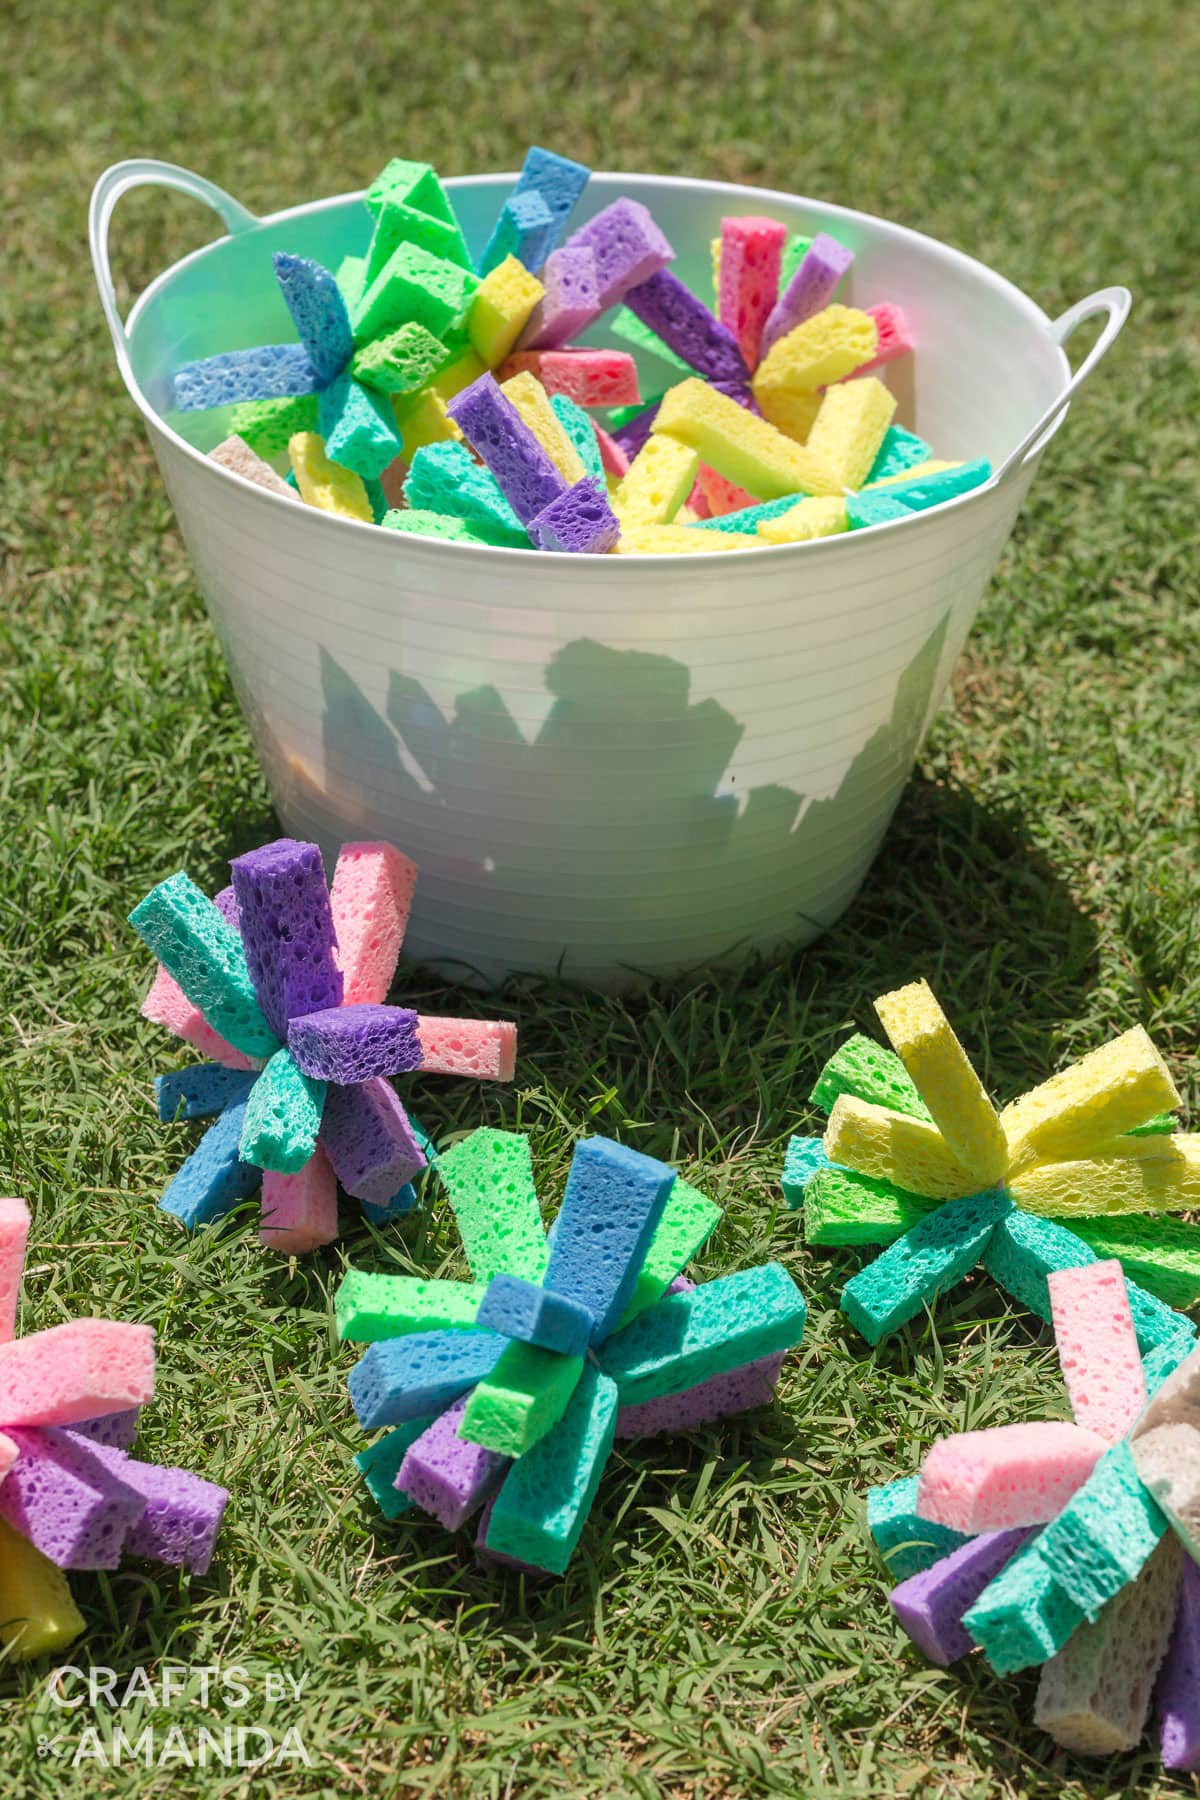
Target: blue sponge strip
907 1543
318 312
805 1158
214 1178
402 1378
610 1211
525 229
270 372
200 1090
359 427
557 181
535 1315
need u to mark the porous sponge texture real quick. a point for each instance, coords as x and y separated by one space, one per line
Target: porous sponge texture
370 900
540 1511
660 478
501 308
1104 1094
849 429
934 1255
896 1147
282 1117
400 363
1023 1616
688 1220
526 394
483 1048
326 484
183 928
1007 1476
1166 1450
14 1236
866 1070
1105 1534
75 1371
1179 1689
689 1337
931 1604
614 1200
1127 1175
286 930
299 1211
1157 1251
415 1376
351 1044
745 449
525 1395
926 1044
369 1307
907 1543
445 478
489 1177
812 518
820 351
1098 1348
532 1314
841 1207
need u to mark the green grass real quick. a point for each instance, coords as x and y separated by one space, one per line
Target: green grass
723 1630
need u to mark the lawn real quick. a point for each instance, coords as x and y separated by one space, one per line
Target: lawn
723 1630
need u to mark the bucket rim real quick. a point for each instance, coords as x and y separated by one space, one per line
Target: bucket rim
605 567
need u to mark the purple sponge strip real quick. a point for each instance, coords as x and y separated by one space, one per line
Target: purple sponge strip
685 324
182 1513
348 1044
571 301
738 1390
272 372
492 425
930 1606
318 312
581 521
115 1430
366 1135
287 930
811 288
446 1476
62 1496
1179 1684
633 435
627 245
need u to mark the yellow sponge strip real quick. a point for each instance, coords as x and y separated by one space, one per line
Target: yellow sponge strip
680 540
1106 1093
745 449
1127 1175
815 518
931 467
924 1040
500 310
326 484
532 401
890 1146
849 428
793 414
715 247
37 1613
423 419
460 373
824 349
658 481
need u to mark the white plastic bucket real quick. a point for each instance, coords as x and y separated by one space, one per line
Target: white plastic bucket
601 764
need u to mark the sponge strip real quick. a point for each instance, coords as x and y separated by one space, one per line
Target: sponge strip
1105 1534
403 362
1007 1476
1024 1616
181 1512
485 1049
866 1070
687 327
348 1044
37 1613
1166 1450
1160 1253
824 349
326 484
287 930
166 1004
369 902
1128 1175
532 1314
500 310
318 311
234 453
582 433
571 300
75 1371
359 427
380 1463
1097 1348
750 257
934 1255
413 183
589 377
688 1221
906 1542
299 1212
268 426
810 289
526 474
446 1476
1107 1092
414 287
214 1178
849 428
269 372
894 1147
894 338
367 1137
555 179
900 451
410 1377
400 222
660 478
541 1509
803 1161
841 1207
614 1200
926 1044
930 1604
14 1236
580 521
204 954
446 479
523 1398
282 1117
627 245
1094 1696
199 1091
1179 1689
740 446
525 392
61 1497
736 1391
719 1326
489 1177
525 230
370 1307
928 487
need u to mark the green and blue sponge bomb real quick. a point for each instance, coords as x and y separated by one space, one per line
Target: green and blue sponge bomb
503 1395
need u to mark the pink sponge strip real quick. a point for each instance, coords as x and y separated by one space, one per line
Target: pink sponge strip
1011 1475
588 377
483 1048
613 459
167 1004
74 1371
299 1212
1097 1347
751 258
371 898
894 336
14 1233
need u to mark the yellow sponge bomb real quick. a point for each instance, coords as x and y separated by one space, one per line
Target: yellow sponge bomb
925 1042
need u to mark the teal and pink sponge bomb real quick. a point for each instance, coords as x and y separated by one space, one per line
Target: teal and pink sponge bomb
1073 1546
503 1395
281 981
71 1495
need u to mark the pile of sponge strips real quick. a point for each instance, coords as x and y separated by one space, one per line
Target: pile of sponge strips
503 1395
1070 1545
446 396
916 1157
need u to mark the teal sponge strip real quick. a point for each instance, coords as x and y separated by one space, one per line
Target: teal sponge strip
548 1493
750 517
1165 1360
842 1207
283 1117
578 428
1105 1535
923 491
445 478
183 928
805 1158
369 1307
489 1177
908 1544
359 428
688 1221
866 1070
1023 1617
716 1327
379 1465
932 1256
900 450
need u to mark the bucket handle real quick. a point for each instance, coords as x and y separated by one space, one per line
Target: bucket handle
1116 302
122 178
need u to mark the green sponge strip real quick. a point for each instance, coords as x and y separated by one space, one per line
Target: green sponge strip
351 278
379 1465
194 944
402 181
399 222
414 286
437 525
716 1327
865 1069
841 1207
522 1399
548 1493
489 1177
1023 1617
1104 1536
401 362
578 428
283 1117
907 1544
1161 1254
688 1221
935 1254
267 425
794 253
629 328
370 1307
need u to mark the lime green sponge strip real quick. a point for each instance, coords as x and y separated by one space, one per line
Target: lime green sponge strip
841 1207
522 1399
548 1493
194 944
379 1465
1161 1254
1158 1126
934 1255
688 1221
489 1177
283 1117
419 523
268 426
687 1338
370 1307
866 1070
